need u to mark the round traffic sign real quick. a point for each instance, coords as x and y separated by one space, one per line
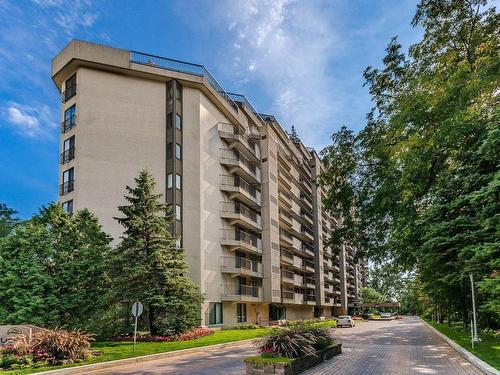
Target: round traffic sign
137 308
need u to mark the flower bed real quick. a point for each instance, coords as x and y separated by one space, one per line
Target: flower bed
191 335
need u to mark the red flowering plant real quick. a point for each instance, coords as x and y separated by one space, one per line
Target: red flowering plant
268 353
190 335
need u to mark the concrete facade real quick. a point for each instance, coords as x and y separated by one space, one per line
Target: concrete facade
251 219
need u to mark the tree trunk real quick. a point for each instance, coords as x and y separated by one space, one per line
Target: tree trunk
152 328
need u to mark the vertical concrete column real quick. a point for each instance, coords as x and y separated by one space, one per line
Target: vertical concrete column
270 215
318 233
343 280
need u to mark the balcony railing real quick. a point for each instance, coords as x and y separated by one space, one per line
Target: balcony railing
287 254
241 263
67 155
66 187
243 290
242 236
239 208
309 298
68 93
237 181
235 157
182 67
68 124
290 276
288 295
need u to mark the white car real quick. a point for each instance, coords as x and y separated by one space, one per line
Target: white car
345 321
386 315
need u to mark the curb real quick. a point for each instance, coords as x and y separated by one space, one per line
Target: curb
145 358
479 363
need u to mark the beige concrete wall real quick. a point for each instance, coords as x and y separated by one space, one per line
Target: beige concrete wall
120 130
298 312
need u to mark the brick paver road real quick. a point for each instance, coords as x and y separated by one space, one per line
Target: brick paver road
397 347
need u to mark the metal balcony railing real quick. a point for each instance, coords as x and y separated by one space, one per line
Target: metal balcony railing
68 124
66 187
243 290
182 67
288 275
242 236
287 254
287 295
237 181
235 156
242 263
68 93
67 155
286 234
239 208
309 298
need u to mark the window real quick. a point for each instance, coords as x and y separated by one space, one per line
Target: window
178 151
277 312
178 91
169 181
68 181
178 212
169 150
69 88
178 243
69 119
178 181
68 150
215 313
169 121
241 313
178 122
68 207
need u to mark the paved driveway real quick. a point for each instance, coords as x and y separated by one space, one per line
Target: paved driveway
399 347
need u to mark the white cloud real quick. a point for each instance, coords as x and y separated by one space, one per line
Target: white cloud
30 121
286 46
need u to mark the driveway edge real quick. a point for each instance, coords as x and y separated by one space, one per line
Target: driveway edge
479 363
145 358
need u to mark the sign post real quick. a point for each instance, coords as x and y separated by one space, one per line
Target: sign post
137 310
475 337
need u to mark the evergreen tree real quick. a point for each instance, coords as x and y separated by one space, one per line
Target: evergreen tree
294 137
7 220
149 267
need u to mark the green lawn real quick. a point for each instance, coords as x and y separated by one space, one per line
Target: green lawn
119 350
326 323
488 349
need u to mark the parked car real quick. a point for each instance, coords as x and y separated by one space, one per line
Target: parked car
385 315
345 321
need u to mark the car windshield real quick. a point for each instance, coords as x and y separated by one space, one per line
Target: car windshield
344 317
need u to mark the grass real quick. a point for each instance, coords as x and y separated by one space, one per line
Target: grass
326 323
119 350
488 349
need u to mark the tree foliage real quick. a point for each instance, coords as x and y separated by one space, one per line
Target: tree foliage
7 219
150 267
370 295
420 183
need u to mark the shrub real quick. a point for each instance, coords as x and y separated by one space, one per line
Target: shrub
61 344
296 341
240 326
190 335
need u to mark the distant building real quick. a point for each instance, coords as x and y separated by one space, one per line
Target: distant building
250 217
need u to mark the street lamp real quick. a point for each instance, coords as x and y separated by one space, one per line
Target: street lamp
475 338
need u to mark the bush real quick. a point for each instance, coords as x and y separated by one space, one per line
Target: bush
190 335
240 326
62 345
300 340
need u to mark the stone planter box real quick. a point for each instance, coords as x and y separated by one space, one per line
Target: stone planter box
295 366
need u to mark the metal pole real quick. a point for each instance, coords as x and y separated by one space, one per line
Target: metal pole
135 326
475 338
472 334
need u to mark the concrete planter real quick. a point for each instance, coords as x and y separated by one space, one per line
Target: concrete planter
296 366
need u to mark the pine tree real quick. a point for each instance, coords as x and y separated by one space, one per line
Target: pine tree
294 137
150 267
7 219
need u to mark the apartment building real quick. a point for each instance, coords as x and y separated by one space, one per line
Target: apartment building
249 215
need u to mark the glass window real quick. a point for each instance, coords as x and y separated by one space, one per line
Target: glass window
215 313
169 121
69 119
178 212
178 151
169 150
69 143
69 88
178 181
68 207
178 121
68 175
241 312
169 181
178 91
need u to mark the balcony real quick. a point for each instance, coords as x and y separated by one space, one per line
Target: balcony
308 265
309 299
286 218
242 293
237 239
238 213
284 177
286 257
307 233
308 249
67 155
285 198
306 184
66 187
68 124
241 266
235 136
287 277
309 282
286 237
239 188
237 163
68 93
288 296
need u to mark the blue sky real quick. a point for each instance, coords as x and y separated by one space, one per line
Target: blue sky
299 60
